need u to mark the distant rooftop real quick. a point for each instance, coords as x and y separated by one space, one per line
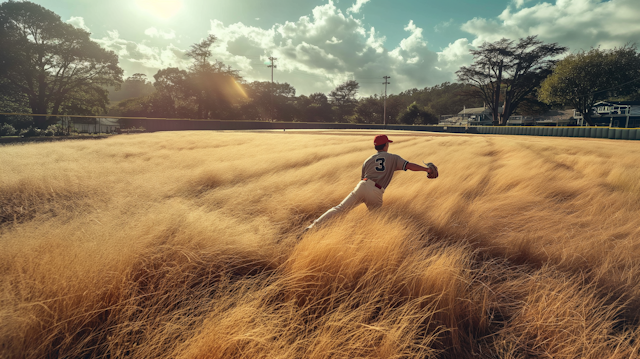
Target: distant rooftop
629 103
477 111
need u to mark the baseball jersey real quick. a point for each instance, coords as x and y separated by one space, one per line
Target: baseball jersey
380 167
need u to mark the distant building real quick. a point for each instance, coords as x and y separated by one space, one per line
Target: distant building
482 116
515 120
614 114
556 118
91 125
477 116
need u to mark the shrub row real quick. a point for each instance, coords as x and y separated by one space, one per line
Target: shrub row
592 132
53 130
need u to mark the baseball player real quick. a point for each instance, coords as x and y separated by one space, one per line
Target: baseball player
377 172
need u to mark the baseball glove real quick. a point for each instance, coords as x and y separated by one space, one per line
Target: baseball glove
433 170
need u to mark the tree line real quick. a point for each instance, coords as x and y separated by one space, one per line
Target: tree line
264 101
51 68
512 76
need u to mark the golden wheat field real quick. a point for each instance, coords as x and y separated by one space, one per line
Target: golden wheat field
187 245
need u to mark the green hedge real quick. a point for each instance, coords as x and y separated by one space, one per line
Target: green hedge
590 132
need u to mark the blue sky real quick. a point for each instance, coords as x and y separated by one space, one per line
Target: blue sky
320 44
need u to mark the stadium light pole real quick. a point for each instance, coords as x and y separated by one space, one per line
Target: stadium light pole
272 66
384 114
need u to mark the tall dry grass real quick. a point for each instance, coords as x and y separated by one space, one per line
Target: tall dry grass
186 245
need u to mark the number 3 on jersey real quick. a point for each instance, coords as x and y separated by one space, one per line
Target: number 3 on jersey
380 168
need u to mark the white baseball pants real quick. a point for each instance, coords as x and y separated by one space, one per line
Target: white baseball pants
365 191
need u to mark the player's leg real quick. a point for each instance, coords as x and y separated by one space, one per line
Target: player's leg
353 199
373 197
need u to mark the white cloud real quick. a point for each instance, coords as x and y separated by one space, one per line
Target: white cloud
443 26
143 57
153 32
113 42
414 41
318 52
334 41
455 55
579 24
520 3
355 8
329 46
78 21
375 41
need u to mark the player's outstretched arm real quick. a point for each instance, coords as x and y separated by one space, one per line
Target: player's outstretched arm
416 168
431 171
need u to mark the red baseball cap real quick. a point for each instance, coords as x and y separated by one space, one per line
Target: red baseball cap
381 140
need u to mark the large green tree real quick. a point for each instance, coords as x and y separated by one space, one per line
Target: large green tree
314 108
586 77
206 91
444 99
269 101
51 64
136 85
369 110
414 114
343 98
509 71
395 105
171 98
212 85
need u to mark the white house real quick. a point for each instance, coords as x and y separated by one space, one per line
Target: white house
477 115
614 114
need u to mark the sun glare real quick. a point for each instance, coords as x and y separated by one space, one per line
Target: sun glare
242 92
163 9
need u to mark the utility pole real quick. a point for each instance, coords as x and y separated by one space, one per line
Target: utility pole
385 83
272 66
